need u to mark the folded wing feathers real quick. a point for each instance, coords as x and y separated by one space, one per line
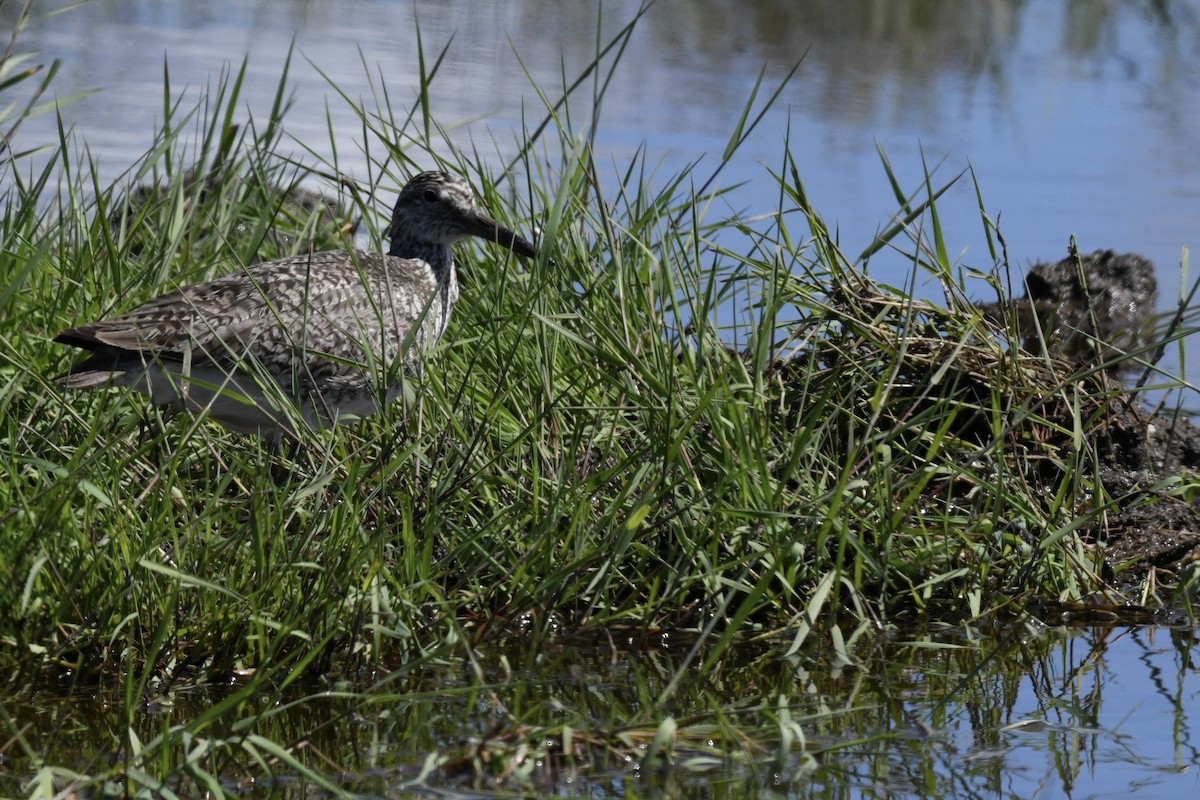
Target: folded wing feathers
329 297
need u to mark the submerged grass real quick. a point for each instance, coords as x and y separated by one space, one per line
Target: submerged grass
668 422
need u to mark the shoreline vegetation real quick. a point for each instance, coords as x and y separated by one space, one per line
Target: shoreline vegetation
590 452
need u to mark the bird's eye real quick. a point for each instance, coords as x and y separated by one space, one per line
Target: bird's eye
430 196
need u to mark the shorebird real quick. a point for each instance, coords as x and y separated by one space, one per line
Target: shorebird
303 341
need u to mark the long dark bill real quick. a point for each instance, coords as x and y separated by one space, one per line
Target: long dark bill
487 228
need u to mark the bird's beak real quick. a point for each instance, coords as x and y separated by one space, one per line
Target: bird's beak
487 228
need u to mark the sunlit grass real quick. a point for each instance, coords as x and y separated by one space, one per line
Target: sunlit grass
594 447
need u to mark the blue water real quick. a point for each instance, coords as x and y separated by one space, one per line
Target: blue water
1098 713
1079 118
1108 713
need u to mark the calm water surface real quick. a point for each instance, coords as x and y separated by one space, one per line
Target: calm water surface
951 713
1079 118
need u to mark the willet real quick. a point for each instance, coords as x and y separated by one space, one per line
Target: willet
310 339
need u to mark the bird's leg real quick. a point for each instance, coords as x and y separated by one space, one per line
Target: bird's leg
285 451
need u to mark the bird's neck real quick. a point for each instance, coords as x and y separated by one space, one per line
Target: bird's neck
440 259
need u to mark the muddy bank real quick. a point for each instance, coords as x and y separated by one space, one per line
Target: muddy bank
1093 310
1035 395
1150 527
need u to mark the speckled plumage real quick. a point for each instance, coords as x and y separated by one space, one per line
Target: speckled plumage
330 334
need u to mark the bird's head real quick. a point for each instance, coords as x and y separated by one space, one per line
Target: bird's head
437 208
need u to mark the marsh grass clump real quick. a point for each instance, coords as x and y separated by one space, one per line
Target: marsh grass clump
595 449
234 197
304 220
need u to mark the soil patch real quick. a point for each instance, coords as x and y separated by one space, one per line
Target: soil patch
1148 528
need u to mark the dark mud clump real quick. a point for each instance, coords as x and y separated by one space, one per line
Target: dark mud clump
1151 527
1086 308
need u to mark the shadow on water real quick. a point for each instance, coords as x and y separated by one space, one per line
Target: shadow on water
943 712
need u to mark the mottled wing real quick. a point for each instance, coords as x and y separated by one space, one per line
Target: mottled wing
331 311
